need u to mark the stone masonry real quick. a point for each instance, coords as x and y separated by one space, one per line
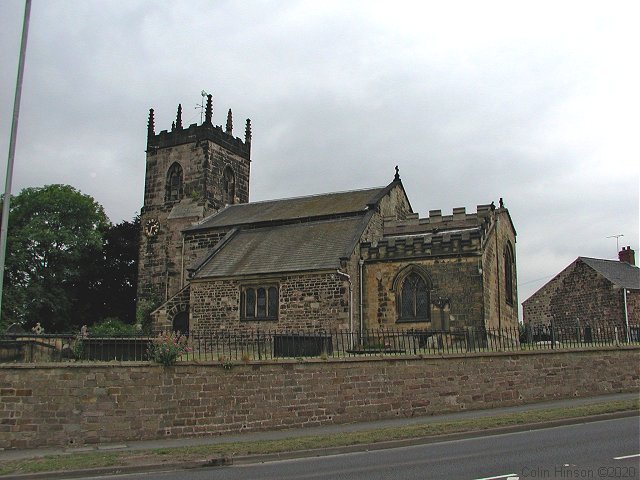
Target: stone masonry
214 169
580 296
86 404
462 255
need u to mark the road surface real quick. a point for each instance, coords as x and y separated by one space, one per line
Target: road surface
607 449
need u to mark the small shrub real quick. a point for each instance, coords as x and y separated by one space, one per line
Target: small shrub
113 327
227 365
77 349
167 347
143 313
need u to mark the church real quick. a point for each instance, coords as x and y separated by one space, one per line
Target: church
212 261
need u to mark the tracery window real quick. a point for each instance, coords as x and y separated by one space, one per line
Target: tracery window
509 265
259 303
413 298
174 189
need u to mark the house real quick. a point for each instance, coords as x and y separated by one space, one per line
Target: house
589 291
353 260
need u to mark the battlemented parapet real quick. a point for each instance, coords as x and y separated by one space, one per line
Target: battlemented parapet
437 234
196 133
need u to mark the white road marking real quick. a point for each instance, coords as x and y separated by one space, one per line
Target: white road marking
506 476
627 456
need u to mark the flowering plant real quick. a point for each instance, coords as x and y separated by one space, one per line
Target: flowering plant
167 347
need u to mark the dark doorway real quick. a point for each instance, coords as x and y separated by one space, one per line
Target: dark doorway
181 323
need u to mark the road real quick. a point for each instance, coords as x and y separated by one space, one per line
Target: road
604 449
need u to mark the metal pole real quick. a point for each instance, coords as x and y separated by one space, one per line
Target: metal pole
12 146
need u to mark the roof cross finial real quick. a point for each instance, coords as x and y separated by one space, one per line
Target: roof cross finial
229 123
396 177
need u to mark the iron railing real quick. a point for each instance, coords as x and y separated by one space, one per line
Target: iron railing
268 345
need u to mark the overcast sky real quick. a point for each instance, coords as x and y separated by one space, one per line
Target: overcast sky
535 102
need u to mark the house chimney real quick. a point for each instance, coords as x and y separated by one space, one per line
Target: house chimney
627 255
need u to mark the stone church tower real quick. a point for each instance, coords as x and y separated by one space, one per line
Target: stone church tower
190 173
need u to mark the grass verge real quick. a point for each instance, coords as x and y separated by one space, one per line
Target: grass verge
94 459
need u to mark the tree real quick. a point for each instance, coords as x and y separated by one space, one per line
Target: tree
119 273
54 252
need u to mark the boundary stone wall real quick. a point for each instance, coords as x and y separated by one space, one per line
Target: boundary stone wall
82 404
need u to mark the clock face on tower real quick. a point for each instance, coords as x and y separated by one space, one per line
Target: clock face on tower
151 228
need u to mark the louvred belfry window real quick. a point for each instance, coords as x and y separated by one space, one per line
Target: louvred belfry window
174 189
228 186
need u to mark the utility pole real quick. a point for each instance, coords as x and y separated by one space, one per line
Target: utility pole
12 146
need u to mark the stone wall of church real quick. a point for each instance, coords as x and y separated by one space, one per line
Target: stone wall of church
498 312
203 162
308 301
454 279
395 204
198 244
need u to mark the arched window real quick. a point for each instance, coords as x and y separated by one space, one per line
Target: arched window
509 267
228 186
174 189
413 296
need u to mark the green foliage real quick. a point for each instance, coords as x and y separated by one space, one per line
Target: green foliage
167 347
523 333
77 349
227 364
55 236
143 313
113 327
118 272
66 264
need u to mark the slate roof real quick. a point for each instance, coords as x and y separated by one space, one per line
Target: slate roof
284 248
617 272
288 209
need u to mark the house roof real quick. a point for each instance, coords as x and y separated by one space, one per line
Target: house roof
284 248
314 206
619 273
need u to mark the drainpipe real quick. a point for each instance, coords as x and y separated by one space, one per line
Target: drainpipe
361 263
182 266
348 278
626 313
498 280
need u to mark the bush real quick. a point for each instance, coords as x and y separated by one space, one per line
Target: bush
143 313
113 327
167 347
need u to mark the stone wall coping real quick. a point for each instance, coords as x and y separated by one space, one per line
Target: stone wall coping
373 358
